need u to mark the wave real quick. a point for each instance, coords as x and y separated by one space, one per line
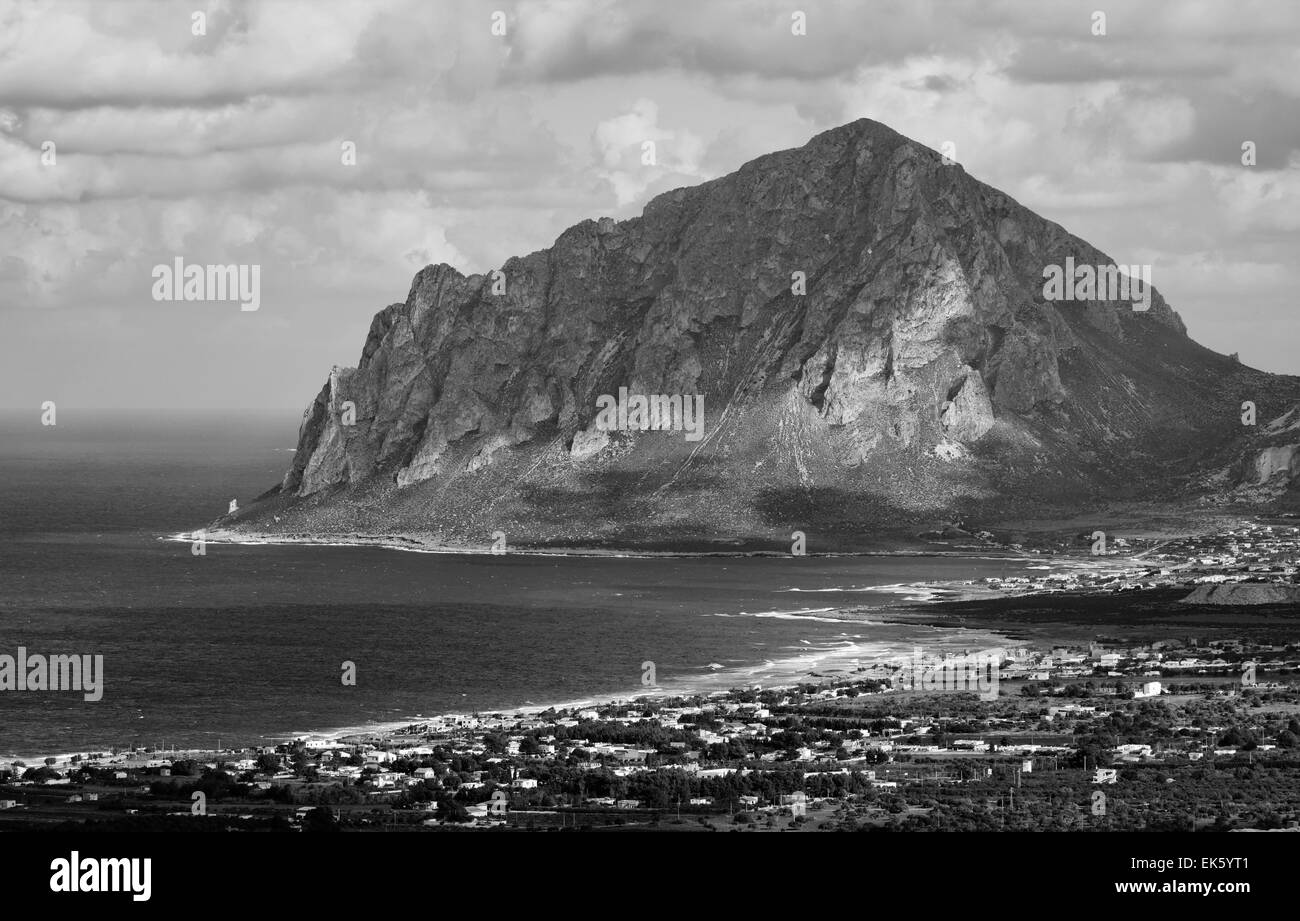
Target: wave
921 592
801 614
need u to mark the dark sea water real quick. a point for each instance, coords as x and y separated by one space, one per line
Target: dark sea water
246 643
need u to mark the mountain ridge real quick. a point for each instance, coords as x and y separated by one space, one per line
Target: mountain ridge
921 375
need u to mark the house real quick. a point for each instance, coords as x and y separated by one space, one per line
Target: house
1149 689
628 804
630 754
1133 749
749 801
1105 775
523 783
701 801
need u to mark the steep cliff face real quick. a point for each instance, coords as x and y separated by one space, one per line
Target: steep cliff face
865 323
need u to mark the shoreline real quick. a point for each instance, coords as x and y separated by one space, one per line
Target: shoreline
410 544
828 662
827 665
1056 536
817 664
841 660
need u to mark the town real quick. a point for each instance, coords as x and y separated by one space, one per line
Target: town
1250 553
1176 734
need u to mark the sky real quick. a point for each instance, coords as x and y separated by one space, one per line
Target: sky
223 139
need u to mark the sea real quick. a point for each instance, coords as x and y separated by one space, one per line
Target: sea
248 645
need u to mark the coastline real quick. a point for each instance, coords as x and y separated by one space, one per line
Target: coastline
813 667
414 544
826 662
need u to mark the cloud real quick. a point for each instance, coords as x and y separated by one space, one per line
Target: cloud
636 154
473 147
77 55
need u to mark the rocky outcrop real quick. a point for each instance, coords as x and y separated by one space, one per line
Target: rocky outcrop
1245 593
968 414
1266 471
1283 459
867 328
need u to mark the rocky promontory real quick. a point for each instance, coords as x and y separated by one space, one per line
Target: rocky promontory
866 324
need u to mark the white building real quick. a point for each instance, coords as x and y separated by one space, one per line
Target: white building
1149 689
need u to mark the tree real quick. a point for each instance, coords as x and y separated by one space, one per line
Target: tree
451 811
322 818
1236 737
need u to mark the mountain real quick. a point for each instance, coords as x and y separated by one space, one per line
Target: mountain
918 376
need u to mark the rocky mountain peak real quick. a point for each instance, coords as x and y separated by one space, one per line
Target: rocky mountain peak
866 326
